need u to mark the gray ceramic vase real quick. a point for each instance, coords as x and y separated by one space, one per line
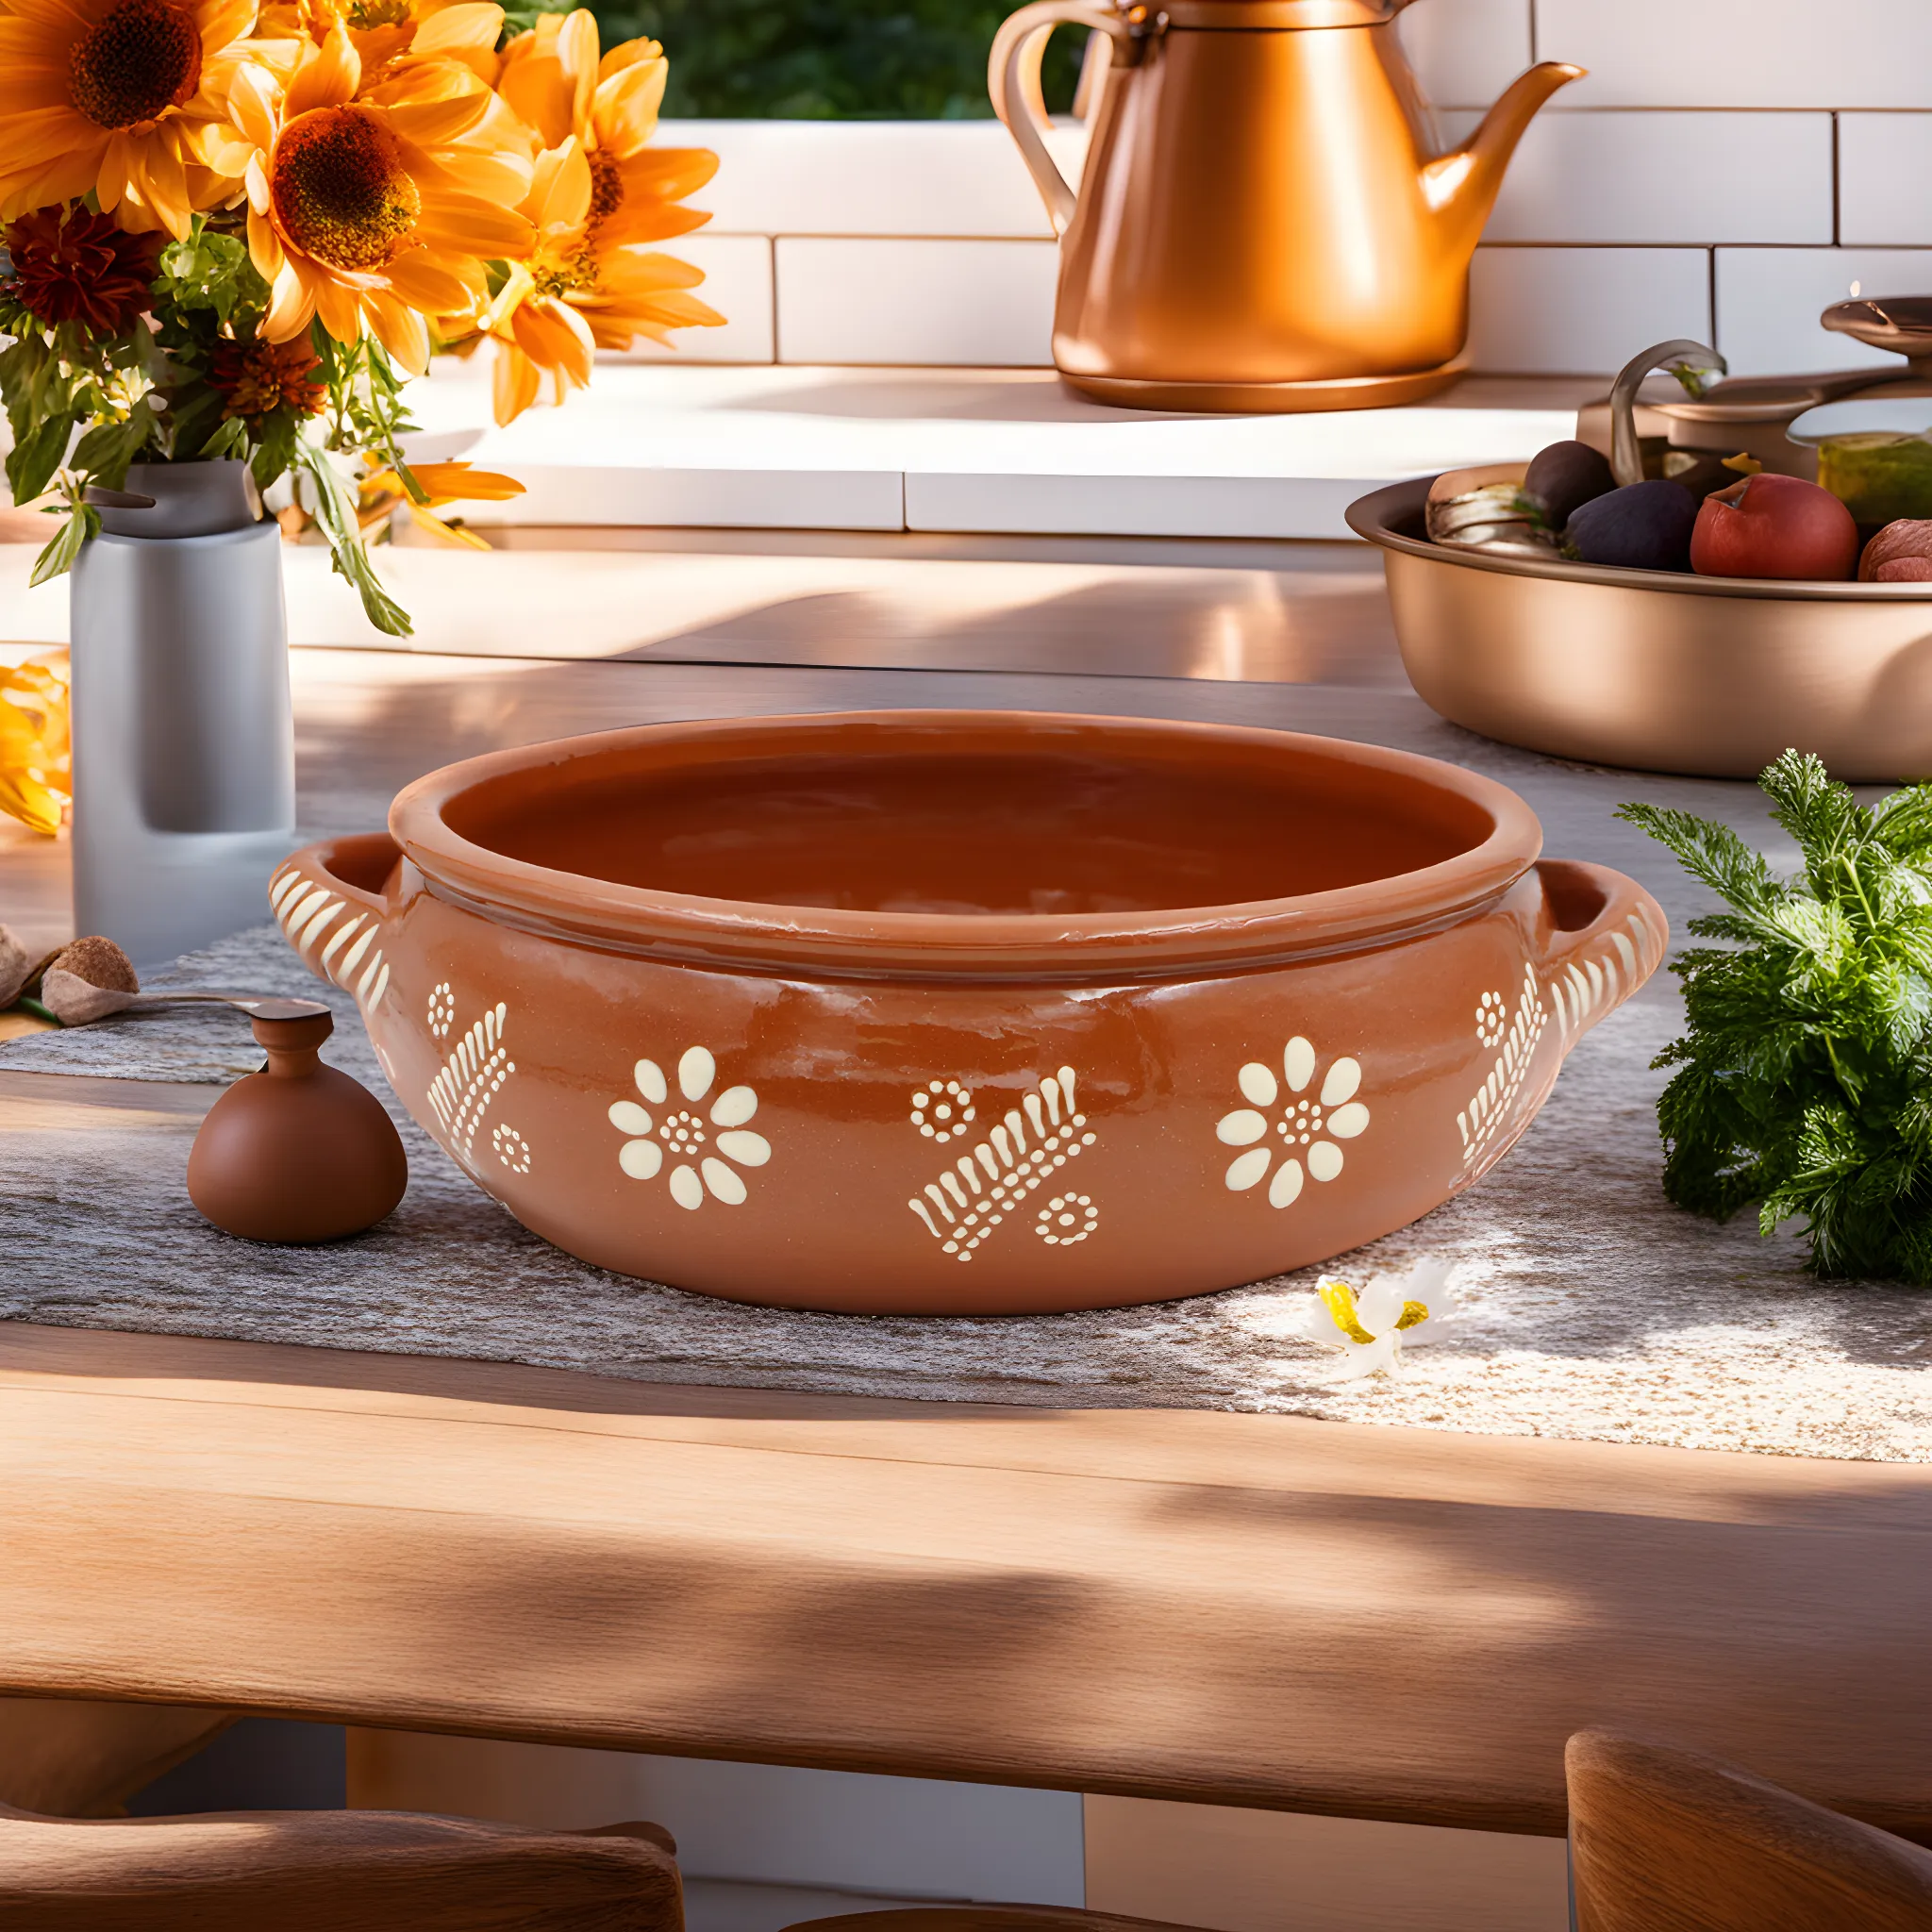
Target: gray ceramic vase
184 750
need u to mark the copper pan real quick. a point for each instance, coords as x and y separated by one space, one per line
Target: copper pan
1711 676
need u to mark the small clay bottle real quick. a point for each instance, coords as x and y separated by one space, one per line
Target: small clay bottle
298 1152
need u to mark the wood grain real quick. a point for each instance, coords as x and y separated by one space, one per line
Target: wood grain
1664 1841
331 1872
1221 1608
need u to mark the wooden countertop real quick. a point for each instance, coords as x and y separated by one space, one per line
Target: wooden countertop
1245 1610
1249 1609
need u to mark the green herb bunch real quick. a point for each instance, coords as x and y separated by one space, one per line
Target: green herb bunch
1804 1080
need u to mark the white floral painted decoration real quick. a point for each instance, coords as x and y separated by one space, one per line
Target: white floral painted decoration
970 1199
1392 1313
466 1086
714 1145
1066 1219
942 1109
1492 1016
1307 1128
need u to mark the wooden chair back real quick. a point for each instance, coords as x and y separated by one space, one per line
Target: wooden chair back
1664 1840
331 1872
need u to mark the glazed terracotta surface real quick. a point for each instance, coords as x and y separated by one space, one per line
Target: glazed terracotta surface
966 1012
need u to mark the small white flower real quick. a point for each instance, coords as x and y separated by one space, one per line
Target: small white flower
1392 1312
709 1144
1308 1127
442 1011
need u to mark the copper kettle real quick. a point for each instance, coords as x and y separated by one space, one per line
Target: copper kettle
1263 223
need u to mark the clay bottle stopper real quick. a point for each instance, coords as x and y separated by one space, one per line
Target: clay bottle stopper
298 1152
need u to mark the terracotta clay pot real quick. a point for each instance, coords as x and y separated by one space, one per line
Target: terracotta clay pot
966 1012
297 1152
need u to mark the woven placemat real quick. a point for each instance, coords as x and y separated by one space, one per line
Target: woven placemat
1585 1307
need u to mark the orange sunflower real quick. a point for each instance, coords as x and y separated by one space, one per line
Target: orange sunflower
553 77
599 190
373 208
576 292
112 97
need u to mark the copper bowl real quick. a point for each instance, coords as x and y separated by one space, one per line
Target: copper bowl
1713 676
966 1012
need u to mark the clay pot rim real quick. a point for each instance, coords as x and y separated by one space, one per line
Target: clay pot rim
1032 947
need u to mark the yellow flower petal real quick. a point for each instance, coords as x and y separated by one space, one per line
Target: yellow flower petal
400 330
561 187
514 382
429 521
624 111
328 78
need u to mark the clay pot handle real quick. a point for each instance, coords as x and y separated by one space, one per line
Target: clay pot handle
1602 936
330 901
1012 78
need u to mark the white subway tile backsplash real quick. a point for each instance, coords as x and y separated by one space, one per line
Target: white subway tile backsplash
1769 300
737 284
872 301
1743 53
1466 52
870 177
1577 310
1681 178
1884 164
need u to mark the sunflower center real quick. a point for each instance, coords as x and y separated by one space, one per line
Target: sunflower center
341 189
606 185
142 59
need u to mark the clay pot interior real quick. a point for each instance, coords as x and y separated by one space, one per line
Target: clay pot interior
1144 825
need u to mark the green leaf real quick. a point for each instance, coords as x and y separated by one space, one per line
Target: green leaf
21 363
32 461
105 452
57 558
210 271
276 449
335 510
230 440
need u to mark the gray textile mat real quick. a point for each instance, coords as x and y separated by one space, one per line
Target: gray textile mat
1592 1308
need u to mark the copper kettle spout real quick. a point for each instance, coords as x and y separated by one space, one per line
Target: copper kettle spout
1462 186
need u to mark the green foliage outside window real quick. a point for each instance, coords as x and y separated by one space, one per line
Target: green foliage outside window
831 59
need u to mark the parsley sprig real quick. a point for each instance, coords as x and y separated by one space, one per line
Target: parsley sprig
1803 1081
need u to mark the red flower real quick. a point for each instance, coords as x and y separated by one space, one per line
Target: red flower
73 266
254 377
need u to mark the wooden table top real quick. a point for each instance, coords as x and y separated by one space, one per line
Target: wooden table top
1248 1609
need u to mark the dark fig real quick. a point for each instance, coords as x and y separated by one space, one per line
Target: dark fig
1564 477
1640 526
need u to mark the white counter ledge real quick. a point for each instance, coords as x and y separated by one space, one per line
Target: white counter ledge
1005 451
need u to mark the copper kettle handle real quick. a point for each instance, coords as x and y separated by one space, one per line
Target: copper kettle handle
1012 78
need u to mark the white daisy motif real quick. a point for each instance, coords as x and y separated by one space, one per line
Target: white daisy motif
442 1011
706 1147
942 1109
1392 1313
1306 1129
